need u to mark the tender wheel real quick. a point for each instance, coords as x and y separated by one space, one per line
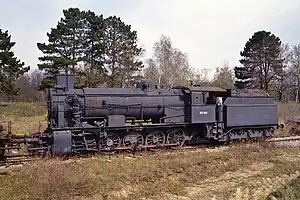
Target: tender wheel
134 138
111 142
176 136
155 138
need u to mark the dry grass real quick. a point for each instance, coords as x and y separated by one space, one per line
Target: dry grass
22 109
288 192
25 117
286 112
133 177
225 173
241 172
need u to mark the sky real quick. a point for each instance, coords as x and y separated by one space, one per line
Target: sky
209 32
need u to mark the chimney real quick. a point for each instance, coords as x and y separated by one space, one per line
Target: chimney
65 80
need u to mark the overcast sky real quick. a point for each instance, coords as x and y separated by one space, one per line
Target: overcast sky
210 32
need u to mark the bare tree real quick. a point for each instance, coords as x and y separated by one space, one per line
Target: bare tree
282 80
200 76
168 66
28 87
294 58
152 72
224 76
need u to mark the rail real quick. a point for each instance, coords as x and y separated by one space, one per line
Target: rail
22 159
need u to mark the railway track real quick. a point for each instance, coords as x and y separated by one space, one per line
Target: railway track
20 160
291 141
289 138
16 161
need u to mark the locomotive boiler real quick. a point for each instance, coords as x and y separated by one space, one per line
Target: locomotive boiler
99 119
115 104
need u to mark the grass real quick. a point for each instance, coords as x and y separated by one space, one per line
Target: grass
288 111
289 192
151 176
25 117
134 178
240 172
22 109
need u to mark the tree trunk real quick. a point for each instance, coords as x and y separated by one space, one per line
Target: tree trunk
297 94
297 89
280 96
266 88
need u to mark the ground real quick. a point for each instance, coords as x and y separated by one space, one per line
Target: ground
249 171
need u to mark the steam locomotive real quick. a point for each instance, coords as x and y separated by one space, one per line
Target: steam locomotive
100 119
89 120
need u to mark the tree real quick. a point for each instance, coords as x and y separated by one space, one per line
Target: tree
168 66
11 68
261 61
291 80
295 67
92 73
67 45
152 72
93 48
223 77
28 85
200 76
281 81
121 52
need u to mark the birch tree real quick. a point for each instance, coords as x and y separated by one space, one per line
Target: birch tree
168 66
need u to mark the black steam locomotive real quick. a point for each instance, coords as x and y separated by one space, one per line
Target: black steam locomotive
101 119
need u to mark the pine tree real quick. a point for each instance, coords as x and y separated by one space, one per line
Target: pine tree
93 72
261 61
245 76
97 50
10 67
121 52
65 48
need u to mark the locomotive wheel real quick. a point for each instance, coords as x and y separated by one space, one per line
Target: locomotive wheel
176 136
111 141
133 138
155 138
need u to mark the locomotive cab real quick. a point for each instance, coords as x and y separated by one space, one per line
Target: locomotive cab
206 104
